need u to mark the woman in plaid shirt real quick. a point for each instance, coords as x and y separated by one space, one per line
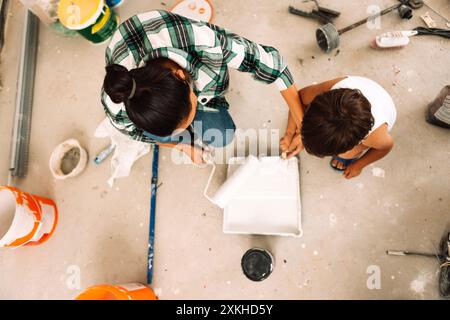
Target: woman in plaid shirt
165 72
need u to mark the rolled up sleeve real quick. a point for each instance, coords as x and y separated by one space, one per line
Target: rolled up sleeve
265 63
285 80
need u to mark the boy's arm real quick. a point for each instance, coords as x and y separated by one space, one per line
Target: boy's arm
291 143
380 143
291 96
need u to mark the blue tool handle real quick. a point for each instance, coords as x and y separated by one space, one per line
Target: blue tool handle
151 239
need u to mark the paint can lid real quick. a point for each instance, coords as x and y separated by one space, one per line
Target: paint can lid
79 14
199 10
257 264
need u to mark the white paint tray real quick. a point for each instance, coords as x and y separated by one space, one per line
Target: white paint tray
267 201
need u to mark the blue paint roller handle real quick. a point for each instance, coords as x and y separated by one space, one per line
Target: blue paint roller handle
151 239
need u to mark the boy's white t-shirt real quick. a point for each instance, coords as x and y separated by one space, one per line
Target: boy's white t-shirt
383 107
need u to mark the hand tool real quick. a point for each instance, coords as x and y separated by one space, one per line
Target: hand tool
328 36
324 15
442 256
151 236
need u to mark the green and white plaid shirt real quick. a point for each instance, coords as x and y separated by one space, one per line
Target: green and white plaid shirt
204 50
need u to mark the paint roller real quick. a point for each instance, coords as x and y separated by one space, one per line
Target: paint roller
234 183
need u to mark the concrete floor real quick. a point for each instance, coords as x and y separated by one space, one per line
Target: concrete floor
348 225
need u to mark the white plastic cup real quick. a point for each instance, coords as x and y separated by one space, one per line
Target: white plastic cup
57 157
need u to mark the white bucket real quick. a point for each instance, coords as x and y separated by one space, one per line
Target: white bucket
25 219
57 160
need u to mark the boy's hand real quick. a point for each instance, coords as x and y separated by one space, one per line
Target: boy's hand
285 141
353 170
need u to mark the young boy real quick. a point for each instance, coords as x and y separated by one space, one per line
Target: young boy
349 119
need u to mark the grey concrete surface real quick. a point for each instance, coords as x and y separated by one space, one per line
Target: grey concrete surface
348 225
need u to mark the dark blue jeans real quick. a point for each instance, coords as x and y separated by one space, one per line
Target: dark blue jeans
216 128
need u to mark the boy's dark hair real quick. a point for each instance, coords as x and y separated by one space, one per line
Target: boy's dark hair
161 100
335 122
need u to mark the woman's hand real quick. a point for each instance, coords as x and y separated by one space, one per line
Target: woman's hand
196 154
291 144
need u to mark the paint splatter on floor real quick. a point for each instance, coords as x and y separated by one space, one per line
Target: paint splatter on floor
315 253
419 284
360 185
396 70
158 292
378 172
332 220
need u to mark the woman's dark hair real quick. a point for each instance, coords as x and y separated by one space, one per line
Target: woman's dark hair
161 100
335 122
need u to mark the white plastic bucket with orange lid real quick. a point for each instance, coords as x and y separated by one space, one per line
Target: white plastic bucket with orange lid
25 219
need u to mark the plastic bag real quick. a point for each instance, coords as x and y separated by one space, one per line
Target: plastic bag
126 151
438 112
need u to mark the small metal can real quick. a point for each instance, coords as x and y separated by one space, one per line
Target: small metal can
257 264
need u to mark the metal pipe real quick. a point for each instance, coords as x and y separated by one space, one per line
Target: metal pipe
24 99
361 22
410 253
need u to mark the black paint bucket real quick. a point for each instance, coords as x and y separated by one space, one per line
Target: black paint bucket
257 264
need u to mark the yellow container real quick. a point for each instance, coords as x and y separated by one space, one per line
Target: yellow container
93 19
